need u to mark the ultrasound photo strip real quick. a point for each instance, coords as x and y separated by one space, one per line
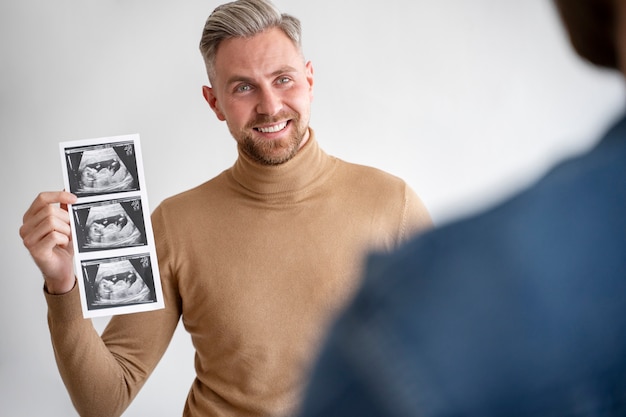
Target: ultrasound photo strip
114 252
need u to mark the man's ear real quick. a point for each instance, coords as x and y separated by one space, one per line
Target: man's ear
210 98
309 78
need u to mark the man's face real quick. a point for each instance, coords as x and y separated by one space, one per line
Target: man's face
263 90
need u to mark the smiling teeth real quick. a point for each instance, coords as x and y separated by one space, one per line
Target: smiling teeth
273 129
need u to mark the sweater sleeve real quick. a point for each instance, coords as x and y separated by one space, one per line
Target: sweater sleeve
104 373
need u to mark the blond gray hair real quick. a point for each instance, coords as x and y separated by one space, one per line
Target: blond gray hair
244 19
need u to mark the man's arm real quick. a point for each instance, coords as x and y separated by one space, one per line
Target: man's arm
101 374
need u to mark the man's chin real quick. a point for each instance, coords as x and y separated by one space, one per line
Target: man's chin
271 155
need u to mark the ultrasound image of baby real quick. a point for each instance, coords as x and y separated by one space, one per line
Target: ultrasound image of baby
119 283
109 226
101 170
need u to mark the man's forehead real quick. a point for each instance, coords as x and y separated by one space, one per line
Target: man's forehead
267 53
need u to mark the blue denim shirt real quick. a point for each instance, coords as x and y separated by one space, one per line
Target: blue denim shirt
518 311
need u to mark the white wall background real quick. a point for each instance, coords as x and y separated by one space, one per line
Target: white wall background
466 100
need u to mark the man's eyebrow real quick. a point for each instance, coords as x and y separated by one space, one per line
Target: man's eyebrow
284 70
238 79
287 69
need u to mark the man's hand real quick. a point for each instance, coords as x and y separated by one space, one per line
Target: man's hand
47 235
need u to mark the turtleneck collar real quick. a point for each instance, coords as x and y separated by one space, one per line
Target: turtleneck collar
305 169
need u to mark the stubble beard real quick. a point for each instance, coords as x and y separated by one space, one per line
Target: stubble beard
272 152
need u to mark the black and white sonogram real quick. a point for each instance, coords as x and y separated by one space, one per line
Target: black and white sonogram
118 282
102 169
114 249
109 225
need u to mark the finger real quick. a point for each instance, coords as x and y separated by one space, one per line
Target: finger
53 256
50 220
46 198
49 213
46 246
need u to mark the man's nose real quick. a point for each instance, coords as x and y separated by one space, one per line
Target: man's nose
270 102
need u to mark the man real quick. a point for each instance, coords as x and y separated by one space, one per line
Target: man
518 311
256 260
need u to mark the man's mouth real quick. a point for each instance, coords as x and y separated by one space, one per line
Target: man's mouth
272 129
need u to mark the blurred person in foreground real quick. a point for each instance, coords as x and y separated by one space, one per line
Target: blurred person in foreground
256 261
517 311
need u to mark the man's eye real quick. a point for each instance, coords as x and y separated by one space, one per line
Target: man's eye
283 80
243 88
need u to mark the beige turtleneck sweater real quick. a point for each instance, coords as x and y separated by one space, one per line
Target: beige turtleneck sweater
257 261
